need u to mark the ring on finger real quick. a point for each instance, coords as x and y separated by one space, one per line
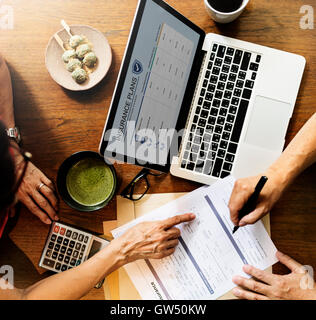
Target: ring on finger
40 186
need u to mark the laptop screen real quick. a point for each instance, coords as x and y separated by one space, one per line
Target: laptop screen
152 85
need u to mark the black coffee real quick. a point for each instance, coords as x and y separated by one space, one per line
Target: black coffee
225 5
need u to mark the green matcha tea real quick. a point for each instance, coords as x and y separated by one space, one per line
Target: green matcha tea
90 182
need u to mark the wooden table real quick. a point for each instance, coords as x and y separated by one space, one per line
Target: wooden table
56 123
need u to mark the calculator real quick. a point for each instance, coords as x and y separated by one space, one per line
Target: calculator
67 247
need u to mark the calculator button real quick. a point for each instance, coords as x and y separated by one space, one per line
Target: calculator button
73 262
64 267
58 266
78 246
69 252
57 247
75 254
83 248
86 238
54 255
61 257
80 238
63 249
75 235
49 263
67 259
59 239
80 255
66 241
51 245
53 237
78 262
62 231
72 244
68 234
48 253
56 229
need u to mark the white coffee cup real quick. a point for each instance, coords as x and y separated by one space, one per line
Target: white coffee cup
224 17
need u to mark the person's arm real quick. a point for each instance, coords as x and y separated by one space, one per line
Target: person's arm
39 202
147 240
299 154
297 285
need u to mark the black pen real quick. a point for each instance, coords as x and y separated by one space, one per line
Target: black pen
250 205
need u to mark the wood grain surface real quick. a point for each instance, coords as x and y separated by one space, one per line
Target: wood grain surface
56 123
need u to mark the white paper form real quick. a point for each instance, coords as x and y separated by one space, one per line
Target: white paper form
208 254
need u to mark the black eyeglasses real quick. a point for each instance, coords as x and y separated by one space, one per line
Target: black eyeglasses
139 186
26 159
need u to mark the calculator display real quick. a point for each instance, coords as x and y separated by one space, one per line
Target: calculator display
96 247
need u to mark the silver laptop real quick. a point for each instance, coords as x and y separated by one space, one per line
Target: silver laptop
233 98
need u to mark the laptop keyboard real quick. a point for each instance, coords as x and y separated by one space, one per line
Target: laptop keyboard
220 114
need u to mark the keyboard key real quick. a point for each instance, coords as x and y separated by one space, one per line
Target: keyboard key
207 74
86 238
223 112
225 135
202 122
214 146
228 127
237 57
51 245
195 148
73 262
217 167
54 255
208 167
69 252
230 118
62 231
223 77
65 242
218 62
239 83
71 244
204 114
213 79
206 105
216 71
254 66
223 144
242 110
224 174
233 109
200 101
221 51
228 60
58 266
212 120
183 164
258 58
67 259
230 157
237 92
230 51
253 76
249 84
78 246
225 103
56 229
197 139
219 94
202 95
221 120
197 110
195 119
245 61
232 148
214 112
235 101
232 77
246 94
216 103
75 254
68 233
212 56
48 263
210 65
200 131
242 75
227 166
64 267
53 237
221 86
225 68
61 257
211 88
230 86
59 240
216 137
215 46
234 68
221 153
209 96
63 249
48 253
227 94
57 247
207 138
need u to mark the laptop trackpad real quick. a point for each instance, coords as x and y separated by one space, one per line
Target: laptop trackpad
268 123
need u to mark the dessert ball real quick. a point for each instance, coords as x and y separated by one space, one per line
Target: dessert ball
68 55
82 50
79 75
90 59
74 64
75 40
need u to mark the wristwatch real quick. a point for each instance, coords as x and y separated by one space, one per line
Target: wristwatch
14 133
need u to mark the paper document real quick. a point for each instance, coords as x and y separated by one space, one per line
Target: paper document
208 254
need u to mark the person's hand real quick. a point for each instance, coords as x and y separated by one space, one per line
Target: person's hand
37 193
150 240
298 285
244 188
